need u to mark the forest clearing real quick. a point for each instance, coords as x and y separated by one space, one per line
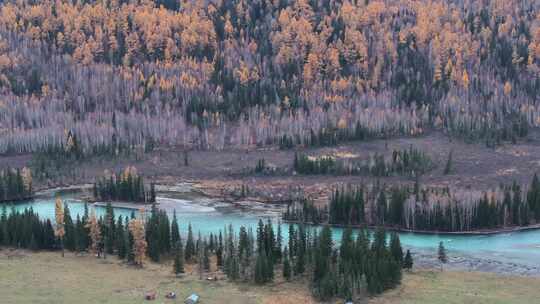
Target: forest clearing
45 277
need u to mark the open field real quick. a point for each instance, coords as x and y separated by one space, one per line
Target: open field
46 277
449 287
220 172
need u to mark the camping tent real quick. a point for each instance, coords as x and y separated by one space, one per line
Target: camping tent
192 299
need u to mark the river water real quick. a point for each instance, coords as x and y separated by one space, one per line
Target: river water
509 253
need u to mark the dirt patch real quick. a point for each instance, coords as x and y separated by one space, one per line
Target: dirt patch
11 253
222 173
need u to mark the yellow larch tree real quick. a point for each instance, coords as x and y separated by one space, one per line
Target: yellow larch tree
95 233
59 230
136 227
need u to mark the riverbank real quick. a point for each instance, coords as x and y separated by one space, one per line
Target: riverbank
201 190
169 194
46 277
506 253
428 232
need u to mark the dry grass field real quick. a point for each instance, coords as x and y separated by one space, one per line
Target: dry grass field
46 277
474 164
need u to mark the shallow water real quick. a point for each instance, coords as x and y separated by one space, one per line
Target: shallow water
516 252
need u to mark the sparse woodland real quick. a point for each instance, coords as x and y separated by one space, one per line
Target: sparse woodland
128 74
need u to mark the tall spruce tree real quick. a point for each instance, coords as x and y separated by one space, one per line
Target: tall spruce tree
120 239
408 261
286 265
109 234
395 248
219 251
70 238
175 232
190 245
206 257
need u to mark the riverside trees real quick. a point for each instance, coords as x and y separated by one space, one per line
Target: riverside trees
343 271
15 184
423 208
124 186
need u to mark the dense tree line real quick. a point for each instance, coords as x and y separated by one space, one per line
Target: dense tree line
457 211
136 74
26 230
533 198
15 184
305 211
124 186
424 208
346 206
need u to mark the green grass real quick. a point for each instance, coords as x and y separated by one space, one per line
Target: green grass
46 277
449 287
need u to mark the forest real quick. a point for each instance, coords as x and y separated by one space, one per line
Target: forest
424 208
123 186
136 74
365 263
15 184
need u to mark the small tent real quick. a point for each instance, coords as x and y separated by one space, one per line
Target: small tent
192 299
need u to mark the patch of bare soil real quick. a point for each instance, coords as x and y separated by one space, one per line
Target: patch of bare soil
223 173
12 253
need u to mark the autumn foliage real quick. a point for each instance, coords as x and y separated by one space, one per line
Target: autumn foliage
136 227
124 73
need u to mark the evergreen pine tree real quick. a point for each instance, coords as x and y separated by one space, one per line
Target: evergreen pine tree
80 231
286 266
206 257
219 251
4 236
292 238
408 262
395 248
120 239
279 244
261 275
175 232
190 245
109 229
70 238
300 261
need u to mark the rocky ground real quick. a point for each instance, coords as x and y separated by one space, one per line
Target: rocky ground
457 261
225 173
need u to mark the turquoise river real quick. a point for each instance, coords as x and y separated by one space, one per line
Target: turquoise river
509 253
